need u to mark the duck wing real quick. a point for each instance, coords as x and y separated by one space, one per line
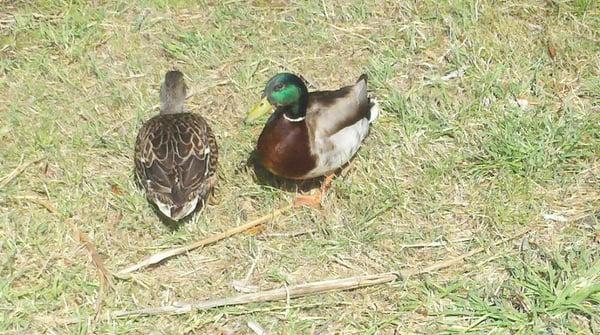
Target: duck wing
175 158
328 112
338 121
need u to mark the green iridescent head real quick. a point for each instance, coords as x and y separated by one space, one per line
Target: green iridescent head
284 91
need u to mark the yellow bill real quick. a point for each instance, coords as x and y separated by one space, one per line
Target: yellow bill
262 108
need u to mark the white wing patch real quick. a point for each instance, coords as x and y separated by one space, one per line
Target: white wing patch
188 208
374 111
207 159
164 208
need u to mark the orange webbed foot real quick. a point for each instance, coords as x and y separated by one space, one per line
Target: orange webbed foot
313 201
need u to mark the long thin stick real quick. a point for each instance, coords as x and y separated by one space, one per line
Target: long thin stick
306 289
160 256
447 263
276 294
352 33
433 244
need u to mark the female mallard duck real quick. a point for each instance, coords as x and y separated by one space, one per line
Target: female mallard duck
176 153
311 134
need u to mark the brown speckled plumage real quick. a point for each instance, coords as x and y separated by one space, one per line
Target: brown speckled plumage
176 159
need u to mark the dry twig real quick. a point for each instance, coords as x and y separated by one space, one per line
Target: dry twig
287 235
17 171
350 32
256 328
301 290
270 295
434 244
160 256
441 265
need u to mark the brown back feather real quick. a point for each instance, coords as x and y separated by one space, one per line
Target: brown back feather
171 159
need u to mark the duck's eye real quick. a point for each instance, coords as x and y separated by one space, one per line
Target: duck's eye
278 86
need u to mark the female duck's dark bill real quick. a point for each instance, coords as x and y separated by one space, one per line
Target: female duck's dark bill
262 108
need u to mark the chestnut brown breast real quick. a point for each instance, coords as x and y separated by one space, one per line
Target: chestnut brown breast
283 148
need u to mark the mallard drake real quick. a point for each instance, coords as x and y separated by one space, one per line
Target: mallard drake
176 153
311 134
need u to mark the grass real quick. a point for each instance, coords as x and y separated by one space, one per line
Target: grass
469 160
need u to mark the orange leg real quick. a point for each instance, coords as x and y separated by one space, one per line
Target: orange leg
212 200
314 201
326 185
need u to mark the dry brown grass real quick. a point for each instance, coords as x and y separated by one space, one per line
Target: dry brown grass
453 160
